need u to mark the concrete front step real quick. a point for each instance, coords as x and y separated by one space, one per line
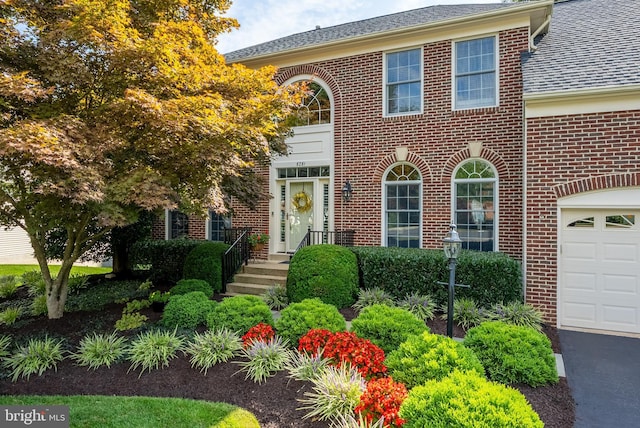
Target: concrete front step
257 277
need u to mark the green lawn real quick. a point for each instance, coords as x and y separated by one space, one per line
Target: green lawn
17 270
141 412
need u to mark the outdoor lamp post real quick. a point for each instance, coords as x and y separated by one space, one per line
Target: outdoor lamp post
452 245
346 191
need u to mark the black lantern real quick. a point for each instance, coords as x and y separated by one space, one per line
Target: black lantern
452 245
346 191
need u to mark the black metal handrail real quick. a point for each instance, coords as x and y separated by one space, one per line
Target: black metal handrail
237 254
338 237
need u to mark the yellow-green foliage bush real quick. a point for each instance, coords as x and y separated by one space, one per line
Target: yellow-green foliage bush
429 356
386 326
467 399
239 314
513 354
298 318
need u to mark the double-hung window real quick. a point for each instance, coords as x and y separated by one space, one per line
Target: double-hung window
403 82
476 76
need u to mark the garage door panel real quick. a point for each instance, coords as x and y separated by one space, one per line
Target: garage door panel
599 275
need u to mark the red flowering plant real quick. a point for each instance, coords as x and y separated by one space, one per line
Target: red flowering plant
261 331
345 347
382 398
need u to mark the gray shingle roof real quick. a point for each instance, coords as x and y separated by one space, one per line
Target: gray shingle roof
366 27
591 43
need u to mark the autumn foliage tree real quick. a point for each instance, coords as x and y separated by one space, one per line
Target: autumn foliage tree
109 108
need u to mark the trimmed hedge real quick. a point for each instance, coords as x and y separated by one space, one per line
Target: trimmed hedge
493 277
239 314
513 354
327 272
187 310
164 260
185 286
298 318
205 262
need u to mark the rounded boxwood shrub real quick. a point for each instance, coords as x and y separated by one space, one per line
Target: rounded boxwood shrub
205 262
467 399
185 286
187 310
387 326
240 313
513 354
328 272
429 356
298 318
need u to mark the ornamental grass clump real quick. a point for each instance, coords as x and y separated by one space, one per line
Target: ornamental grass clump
212 347
513 354
305 366
345 348
5 343
264 359
467 399
387 327
240 313
372 296
336 393
276 297
37 356
100 350
421 305
430 356
10 315
518 313
467 313
298 318
381 401
154 349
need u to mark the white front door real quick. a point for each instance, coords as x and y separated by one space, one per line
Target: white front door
599 277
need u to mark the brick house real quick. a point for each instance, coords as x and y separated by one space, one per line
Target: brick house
520 122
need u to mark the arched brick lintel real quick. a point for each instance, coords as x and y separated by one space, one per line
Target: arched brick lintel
597 183
463 155
412 158
313 70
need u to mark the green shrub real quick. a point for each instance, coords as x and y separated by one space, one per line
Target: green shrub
130 321
493 277
513 354
239 314
466 399
387 327
162 260
298 318
372 296
429 356
187 310
136 305
518 313
205 262
103 294
327 272
185 286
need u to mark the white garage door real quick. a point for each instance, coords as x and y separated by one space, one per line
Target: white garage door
600 269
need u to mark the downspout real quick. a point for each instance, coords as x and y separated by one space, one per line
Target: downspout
524 201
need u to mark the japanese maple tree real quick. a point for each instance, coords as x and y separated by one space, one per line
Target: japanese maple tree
109 108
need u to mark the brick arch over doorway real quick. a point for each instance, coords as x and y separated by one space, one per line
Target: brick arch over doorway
597 183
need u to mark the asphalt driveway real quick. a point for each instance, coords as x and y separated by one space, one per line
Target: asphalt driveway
604 375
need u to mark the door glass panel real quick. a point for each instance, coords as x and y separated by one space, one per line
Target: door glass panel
620 221
301 200
586 222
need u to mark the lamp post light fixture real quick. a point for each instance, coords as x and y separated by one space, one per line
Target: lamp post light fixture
347 191
452 245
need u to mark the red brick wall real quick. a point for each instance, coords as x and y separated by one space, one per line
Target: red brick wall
437 140
568 155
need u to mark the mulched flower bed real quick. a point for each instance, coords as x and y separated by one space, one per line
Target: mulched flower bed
275 402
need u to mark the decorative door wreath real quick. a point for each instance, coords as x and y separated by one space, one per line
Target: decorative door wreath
302 202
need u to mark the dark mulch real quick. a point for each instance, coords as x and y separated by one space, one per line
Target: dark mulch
275 402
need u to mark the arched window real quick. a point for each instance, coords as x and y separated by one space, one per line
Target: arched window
403 206
315 109
475 195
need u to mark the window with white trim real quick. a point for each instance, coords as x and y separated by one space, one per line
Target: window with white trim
403 82
178 225
476 65
475 195
315 108
217 225
403 206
